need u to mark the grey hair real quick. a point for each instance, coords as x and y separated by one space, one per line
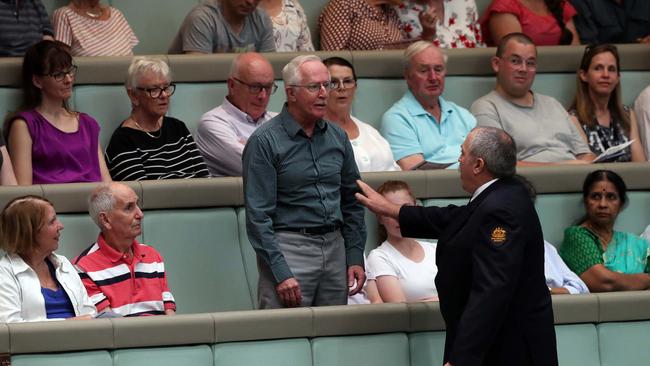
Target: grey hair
291 71
497 149
101 200
417 47
143 64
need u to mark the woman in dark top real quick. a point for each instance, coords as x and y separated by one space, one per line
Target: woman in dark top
149 145
597 108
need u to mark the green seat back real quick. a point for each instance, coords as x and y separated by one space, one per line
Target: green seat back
577 344
388 349
427 348
94 358
202 256
199 355
282 352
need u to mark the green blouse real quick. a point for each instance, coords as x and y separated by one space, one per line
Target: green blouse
626 253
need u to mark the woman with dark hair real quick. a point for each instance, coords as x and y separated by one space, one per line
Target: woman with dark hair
605 259
36 283
546 22
371 151
404 268
48 142
597 106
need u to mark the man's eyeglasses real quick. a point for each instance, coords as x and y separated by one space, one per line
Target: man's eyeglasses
346 83
157 92
517 61
316 87
256 88
59 76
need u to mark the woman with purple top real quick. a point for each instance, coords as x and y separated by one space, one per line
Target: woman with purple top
48 142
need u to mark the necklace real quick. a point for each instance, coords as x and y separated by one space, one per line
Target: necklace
95 15
147 132
603 238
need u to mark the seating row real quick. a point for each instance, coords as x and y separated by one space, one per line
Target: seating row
156 22
201 81
199 225
589 331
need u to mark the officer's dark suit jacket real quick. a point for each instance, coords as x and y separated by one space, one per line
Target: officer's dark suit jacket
493 294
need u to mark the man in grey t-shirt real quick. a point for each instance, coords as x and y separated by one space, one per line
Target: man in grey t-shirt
221 26
539 124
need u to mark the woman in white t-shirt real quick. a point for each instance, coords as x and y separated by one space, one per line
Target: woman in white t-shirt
404 268
371 151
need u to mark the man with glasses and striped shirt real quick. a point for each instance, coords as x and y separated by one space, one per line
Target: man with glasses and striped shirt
299 183
224 130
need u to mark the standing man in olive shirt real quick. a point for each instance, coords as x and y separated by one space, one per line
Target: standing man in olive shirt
299 184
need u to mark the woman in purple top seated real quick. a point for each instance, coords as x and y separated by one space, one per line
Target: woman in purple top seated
48 142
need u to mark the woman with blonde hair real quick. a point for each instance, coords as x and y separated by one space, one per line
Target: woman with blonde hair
36 283
404 268
93 29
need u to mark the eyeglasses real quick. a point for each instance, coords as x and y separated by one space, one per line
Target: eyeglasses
157 92
517 61
256 88
59 76
316 87
346 83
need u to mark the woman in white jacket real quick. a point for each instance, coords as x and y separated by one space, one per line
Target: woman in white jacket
36 284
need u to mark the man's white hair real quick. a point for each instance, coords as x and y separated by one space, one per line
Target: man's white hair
291 71
418 47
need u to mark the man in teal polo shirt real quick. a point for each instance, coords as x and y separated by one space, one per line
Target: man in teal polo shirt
423 125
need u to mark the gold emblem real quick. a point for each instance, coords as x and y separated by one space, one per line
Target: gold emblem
498 235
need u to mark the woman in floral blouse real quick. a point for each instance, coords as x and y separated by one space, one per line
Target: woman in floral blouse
290 28
456 22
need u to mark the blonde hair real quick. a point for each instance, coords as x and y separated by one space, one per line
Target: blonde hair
391 186
20 222
417 47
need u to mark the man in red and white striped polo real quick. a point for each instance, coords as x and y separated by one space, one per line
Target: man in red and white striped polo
121 275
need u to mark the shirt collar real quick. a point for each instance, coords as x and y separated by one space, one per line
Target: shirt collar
415 108
114 255
483 187
239 114
293 128
18 264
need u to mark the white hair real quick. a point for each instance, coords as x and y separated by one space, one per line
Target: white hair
291 71
143 64
101 200
418 47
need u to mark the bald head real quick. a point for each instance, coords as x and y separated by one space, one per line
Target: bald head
250 83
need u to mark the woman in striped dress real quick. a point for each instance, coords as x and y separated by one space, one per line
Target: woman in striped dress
93 29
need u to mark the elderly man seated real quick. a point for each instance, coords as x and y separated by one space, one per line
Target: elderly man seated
122 275
423 126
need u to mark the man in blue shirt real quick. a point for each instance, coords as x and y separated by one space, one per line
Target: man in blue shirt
423 125
299 183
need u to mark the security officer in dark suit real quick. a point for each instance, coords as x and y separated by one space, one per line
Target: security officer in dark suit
490 259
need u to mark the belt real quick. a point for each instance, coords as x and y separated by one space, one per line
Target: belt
316 230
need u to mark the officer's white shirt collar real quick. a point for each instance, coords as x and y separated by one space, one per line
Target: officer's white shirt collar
482 188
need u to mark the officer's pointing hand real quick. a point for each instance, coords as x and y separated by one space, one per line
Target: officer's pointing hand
375 202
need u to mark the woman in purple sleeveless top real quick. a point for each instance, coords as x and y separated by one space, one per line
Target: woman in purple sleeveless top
48 142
